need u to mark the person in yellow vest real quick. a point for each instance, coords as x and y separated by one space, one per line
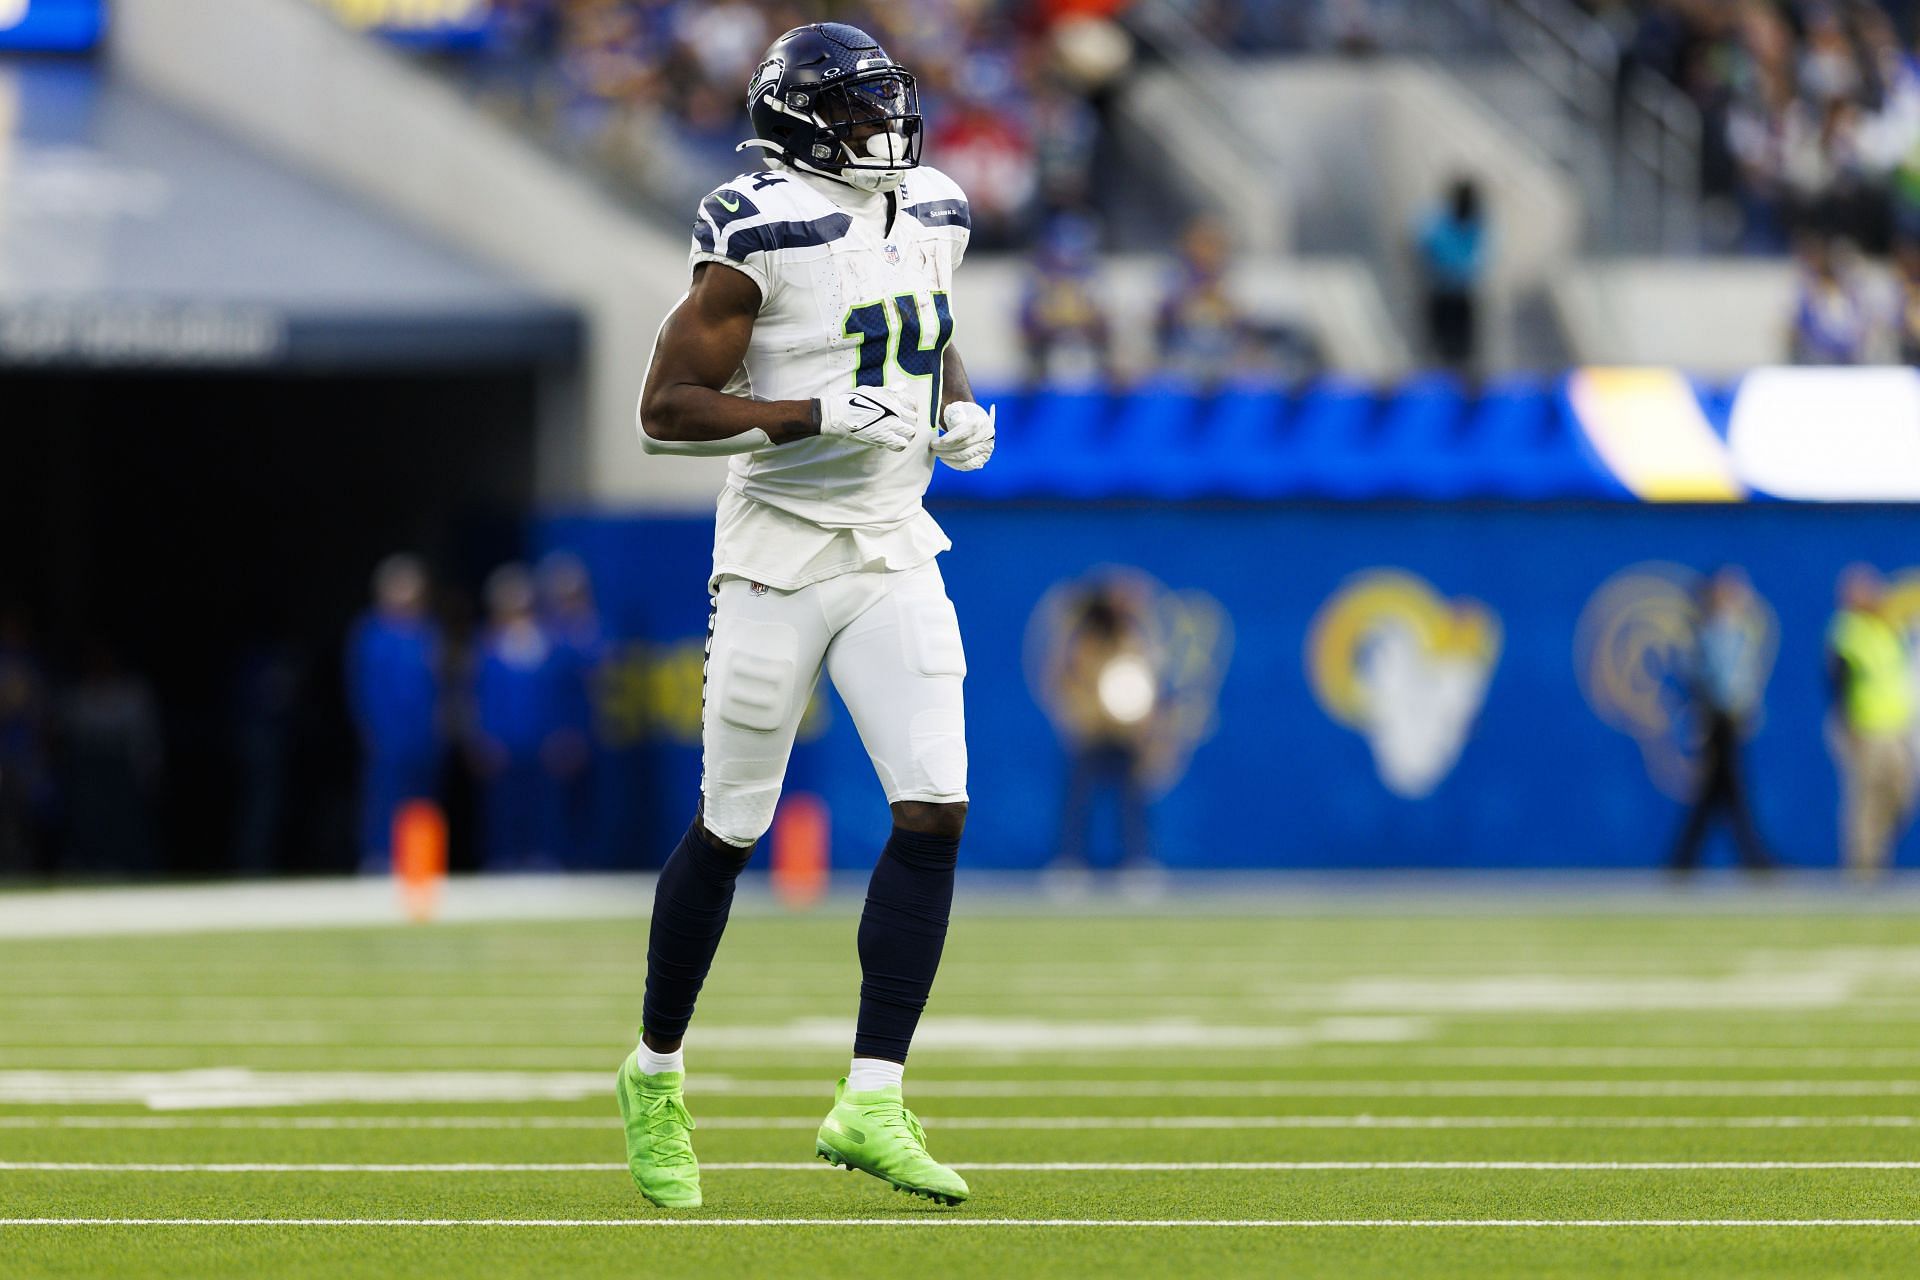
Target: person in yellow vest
1872 716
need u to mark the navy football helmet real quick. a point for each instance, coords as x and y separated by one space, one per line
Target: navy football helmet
829 100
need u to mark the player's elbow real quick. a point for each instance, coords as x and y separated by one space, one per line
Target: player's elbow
658 422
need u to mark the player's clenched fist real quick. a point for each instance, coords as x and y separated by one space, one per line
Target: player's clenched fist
870 415
968 441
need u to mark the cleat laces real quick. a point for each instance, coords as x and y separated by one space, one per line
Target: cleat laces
895 1116
668 1123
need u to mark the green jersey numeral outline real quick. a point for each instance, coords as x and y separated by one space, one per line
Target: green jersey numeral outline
881 336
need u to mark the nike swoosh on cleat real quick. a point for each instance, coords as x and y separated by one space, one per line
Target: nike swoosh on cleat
852 1135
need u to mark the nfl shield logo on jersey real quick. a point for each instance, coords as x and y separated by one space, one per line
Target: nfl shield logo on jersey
893 256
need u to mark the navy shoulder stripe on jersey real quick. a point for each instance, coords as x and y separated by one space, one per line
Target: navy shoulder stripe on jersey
703 235
769 236
725 206
943 213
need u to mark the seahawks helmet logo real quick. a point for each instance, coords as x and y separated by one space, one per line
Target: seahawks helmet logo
765 78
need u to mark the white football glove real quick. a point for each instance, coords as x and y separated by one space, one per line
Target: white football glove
968 441
870 415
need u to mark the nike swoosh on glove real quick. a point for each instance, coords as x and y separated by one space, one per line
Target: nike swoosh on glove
870 415
968 441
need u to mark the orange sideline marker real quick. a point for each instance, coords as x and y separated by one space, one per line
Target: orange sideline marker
420 857
801 845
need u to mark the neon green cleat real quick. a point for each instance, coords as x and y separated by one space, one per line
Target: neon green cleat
876 1134
659 1148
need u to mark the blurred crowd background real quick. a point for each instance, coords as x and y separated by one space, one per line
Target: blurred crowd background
320 491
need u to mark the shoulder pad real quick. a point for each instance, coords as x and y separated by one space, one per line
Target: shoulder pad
935 200
765 212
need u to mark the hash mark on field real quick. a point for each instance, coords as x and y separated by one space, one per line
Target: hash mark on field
984 1122
1056 1166
1228 1223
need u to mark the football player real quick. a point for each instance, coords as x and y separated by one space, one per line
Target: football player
814 346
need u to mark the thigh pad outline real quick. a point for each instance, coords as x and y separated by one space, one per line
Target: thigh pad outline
754 687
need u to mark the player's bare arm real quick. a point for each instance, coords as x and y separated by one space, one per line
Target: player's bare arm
697 353
955 386
967 435
685 409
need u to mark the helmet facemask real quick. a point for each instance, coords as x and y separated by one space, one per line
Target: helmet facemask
866 130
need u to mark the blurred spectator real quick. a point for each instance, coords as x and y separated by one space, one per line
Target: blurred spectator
656 88
25 786
1873 696
580 650
394 657
1453 254
518 724
1906 276
1105 692
1833 318
1811 107
266 690
110 766
984 147
1726 690
1202 332
1063 319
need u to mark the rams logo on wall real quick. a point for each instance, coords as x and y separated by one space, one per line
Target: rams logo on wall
1635 653
1390 657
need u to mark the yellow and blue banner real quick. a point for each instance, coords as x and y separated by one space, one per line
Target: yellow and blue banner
1357 686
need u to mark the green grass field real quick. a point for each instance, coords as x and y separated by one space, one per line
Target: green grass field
1343 1090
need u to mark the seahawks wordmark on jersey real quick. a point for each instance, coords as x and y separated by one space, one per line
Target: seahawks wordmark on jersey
845 301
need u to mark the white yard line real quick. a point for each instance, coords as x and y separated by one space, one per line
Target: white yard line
994 1123
1057 1166
964 1032
929 1221
228 1087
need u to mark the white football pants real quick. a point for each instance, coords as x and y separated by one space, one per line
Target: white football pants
890 641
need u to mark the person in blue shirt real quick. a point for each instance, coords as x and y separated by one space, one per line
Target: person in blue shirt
1452 244
518 716
1729 680
393 668
572 621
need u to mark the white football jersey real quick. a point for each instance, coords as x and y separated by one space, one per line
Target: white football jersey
845 301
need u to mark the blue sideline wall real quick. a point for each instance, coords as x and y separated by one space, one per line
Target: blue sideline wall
1542 781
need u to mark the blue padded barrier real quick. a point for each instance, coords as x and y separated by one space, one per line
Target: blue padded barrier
1155 450
1430 439
1419 451
1334 435
1248 446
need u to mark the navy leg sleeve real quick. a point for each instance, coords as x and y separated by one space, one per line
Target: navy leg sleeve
902 932
690 906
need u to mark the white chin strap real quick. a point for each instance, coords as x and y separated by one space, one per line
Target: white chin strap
869 179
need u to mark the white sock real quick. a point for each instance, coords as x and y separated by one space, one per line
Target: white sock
868 1074
653 1064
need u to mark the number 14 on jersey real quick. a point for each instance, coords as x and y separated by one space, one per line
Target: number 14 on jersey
893 328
